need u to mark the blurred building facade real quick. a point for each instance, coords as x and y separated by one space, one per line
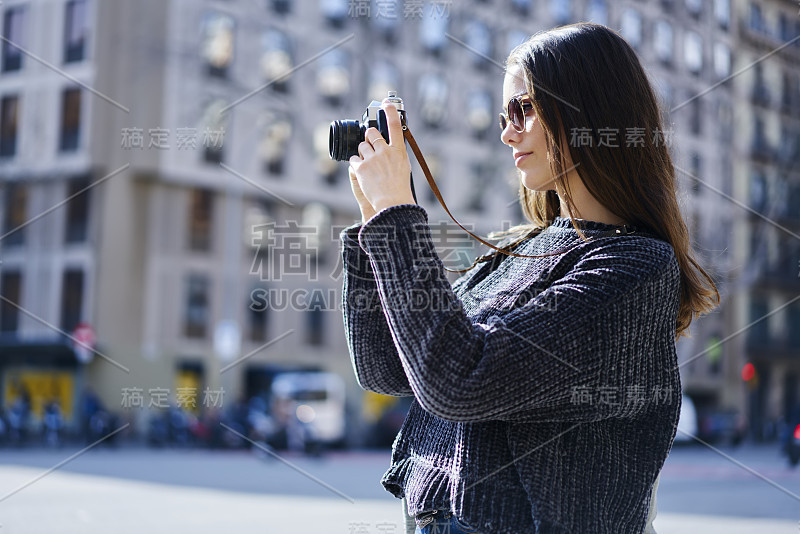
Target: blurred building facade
165 181
768 182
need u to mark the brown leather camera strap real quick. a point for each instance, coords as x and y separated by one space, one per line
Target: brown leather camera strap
620 230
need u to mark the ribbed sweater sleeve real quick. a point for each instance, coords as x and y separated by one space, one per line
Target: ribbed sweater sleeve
591 328
372 349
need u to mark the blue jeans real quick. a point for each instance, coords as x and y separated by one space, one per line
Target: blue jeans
441 522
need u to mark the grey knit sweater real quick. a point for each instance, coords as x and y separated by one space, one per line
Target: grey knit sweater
546 389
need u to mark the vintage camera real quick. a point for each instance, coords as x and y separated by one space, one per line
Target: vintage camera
345 135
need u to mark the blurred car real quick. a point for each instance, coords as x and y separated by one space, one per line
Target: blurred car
687 423
726 426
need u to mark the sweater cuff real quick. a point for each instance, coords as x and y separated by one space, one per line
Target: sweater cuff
385 225
354 258
395 229
349 236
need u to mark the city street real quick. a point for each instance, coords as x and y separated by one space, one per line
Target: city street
138 490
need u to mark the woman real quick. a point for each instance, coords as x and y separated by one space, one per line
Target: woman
546 387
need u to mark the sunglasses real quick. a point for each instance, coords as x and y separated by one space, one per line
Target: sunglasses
515 113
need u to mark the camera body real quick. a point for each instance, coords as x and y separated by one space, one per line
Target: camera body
345 135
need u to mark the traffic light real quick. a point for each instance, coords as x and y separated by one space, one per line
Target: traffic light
750 376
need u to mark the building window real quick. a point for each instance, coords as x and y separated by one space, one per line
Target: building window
218 43
197 306
480 115
13 21
761 147
282 7
759 329
693 52
335 11
434 26
200 219
9 118
756 21
790 92
71 299
70 120
481 177
663 41
213 128
78 193
333 76
11 288
696 120
792 320
16 214
784 29
722 60
276 59
315 319
631 27
597 12
478 37
722 12
76 31
758 192
695 7
761 93
258 315
725 121
726 174
797 33
385 18
697 170
274 145
433 99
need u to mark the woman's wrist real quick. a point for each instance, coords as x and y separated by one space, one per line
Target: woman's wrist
388 203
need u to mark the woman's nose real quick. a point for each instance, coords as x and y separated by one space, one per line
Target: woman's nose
509 135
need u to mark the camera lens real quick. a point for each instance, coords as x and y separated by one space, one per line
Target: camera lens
344 138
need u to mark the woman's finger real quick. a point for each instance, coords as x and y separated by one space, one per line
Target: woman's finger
393 122
365 149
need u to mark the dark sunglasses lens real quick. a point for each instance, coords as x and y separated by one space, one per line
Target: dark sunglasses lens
502 122
516 115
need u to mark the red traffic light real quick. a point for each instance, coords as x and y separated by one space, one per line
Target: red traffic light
748 372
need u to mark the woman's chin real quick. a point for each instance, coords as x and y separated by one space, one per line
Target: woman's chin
536 184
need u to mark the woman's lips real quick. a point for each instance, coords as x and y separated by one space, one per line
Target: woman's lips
518 158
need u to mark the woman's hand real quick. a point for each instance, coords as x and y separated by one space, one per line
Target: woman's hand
379 175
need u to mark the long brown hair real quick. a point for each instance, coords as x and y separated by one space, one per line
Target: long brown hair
585 78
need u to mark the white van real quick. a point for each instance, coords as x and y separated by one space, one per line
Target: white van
310 402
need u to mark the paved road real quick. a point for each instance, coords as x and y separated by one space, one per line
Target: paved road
142 490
